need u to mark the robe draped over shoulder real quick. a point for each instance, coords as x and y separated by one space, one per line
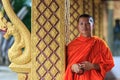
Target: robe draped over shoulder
92 49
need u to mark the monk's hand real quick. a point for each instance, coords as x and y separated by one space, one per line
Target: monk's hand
86 65
77 68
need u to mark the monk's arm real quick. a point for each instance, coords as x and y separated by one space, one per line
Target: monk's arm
96 66
88 66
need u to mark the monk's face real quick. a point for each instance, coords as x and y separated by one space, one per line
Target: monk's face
84 27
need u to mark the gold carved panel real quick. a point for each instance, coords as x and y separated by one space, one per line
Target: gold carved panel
98 17
76 8
48 51
88 7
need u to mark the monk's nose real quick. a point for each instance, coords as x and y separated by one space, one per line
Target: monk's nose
85 26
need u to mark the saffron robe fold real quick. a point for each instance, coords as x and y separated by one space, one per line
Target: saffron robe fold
92 49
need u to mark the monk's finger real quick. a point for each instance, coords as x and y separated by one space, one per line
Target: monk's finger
76 70
82 65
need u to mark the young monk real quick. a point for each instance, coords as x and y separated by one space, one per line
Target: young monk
88 57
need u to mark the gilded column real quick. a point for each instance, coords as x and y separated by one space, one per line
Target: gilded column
76 8
88 7
48 39
101 6
96 15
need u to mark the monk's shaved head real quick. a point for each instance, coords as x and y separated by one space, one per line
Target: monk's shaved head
84 15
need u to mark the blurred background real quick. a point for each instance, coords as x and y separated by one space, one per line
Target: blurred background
111 34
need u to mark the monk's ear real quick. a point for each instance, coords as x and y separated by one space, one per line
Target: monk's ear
78 27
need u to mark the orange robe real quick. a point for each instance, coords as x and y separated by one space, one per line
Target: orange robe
91 49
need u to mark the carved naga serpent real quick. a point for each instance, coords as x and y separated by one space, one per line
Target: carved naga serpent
20 52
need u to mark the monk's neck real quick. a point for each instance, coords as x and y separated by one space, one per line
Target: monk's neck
87 36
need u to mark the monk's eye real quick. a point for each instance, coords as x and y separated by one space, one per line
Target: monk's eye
81 23
88 23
